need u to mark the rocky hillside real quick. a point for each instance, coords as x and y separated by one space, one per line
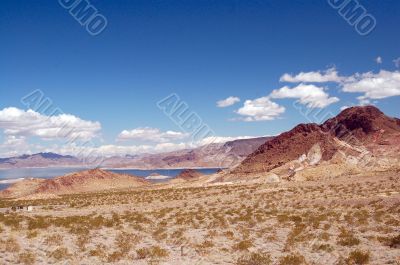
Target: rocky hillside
189 174
287 147
93 180
352 132
362 125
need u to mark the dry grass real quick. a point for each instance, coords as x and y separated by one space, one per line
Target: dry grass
236 224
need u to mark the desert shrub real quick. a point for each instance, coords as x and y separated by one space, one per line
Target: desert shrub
142 253
158 252
115 256
160 234
82 241
323 247
11 245
53 240
358 257
394 242
229 234
27 258
346 238
254 259
204 247
154 252
99 251
38 222
60 253
292 259
243 245
32 234
11 220
124 242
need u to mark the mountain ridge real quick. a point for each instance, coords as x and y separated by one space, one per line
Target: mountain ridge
364 126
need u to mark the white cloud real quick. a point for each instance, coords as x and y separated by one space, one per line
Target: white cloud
397 62
260 109
13 146
330 75
227 102
221 139
150 135
121 150
374 86
309 95
15 121
344 107
379 60
364 101
115 150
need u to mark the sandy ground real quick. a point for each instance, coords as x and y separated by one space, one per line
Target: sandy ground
344 220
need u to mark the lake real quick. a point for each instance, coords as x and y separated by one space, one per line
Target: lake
9 176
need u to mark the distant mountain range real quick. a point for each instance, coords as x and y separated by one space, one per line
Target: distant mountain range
213 155
39 160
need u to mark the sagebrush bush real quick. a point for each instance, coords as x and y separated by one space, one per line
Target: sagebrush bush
358 257
254 259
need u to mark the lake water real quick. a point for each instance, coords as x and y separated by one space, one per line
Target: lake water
8 176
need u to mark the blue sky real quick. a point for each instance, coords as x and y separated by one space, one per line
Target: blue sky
204 51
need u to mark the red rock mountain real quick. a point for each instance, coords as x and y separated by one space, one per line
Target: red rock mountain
287 147
189 174
362 123
93 180
356 125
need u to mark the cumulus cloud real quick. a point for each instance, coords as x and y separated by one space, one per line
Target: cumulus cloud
344 107
115 149
150 135
397 62
374 85
221 139
13 146
121 150
379 60
19 122
309 95
330 75
227 102
260 109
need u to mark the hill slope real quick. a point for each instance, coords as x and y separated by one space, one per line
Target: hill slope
93 180
354 130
